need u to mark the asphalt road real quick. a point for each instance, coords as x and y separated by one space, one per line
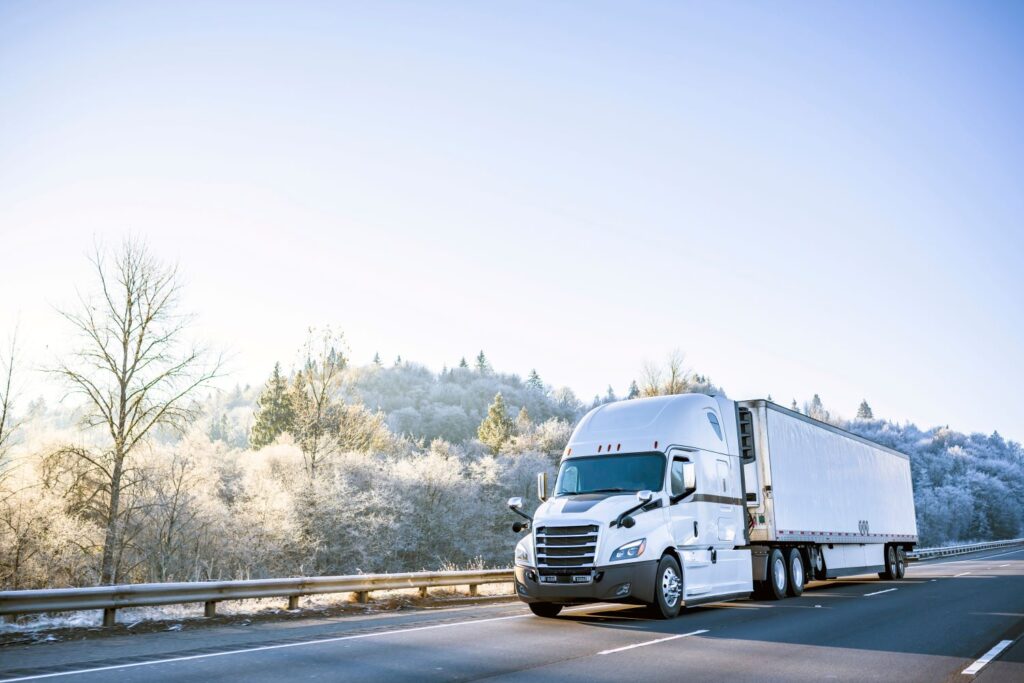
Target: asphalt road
929 627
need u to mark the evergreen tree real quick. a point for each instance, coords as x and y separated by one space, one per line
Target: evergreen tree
495 429
376 360
398 361
523 422
482 366
610 396
533 382
275 413
770 399
864 411
794 407
634 390
463 363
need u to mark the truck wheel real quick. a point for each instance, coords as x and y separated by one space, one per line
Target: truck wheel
545 609
901 563
777 575
668 589
797 576
890 564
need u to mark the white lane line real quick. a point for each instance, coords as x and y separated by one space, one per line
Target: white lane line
1004 565
961 574
987 657
887 590
652 642
281 646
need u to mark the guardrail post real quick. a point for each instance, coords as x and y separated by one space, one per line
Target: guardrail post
423 591
472 589
293 602
210 608
362 597
109 617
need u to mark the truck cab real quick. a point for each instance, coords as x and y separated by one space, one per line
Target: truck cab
648 507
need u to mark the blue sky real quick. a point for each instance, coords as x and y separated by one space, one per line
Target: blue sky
802 197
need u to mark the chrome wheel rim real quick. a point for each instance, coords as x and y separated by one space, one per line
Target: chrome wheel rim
779 570
798 571
893 567
670 588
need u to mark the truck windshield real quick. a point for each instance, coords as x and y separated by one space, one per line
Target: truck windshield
611 474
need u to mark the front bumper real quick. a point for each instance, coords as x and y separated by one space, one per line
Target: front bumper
633 582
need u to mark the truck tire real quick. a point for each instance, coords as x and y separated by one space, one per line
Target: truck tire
890 564
901 563
548 610
797 575
668 589
776 582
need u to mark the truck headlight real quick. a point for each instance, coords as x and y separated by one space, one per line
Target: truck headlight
630 550
524 556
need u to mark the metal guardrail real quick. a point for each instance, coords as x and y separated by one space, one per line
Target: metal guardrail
111 598
928 553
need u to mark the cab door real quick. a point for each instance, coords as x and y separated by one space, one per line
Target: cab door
693 528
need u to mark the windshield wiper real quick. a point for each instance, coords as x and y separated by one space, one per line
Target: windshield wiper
612 490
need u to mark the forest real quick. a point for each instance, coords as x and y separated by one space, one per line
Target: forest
145 472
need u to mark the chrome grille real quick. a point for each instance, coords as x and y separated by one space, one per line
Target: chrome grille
566 546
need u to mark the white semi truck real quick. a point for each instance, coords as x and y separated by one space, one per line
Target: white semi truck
682 500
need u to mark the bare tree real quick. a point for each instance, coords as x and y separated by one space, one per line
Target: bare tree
674 378
8 424
133 369
315 397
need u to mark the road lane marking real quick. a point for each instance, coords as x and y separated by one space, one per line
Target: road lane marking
652 642
987 657
961 574
280 646
1004 565
887 590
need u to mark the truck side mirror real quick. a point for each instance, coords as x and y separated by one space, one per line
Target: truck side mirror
644 496
690 476
515 503
542 486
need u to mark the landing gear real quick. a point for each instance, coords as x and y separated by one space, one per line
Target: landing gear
668 589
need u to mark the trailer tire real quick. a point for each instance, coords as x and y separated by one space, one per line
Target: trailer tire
777 581
901 562
797 573
668 589
891 571
548 610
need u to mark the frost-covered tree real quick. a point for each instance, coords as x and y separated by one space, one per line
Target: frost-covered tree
314 397
794 407
634 390
864 411
376 360
8 424
496 429
533 381
275 412
463 363
482 365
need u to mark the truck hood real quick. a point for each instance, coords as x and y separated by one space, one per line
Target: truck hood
598 507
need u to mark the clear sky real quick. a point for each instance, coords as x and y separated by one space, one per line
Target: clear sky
803 197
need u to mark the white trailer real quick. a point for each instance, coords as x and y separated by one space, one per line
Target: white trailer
681 500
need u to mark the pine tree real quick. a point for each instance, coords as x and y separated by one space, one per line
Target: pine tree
864 411
770 399
610 396
376 360
533 382
495 429
274 411
463 363
634 390
523 422
482 366
794 407
398 361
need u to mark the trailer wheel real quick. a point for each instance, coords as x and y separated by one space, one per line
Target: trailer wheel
545 609
891 571
668 589
797 574
901 563
777 582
